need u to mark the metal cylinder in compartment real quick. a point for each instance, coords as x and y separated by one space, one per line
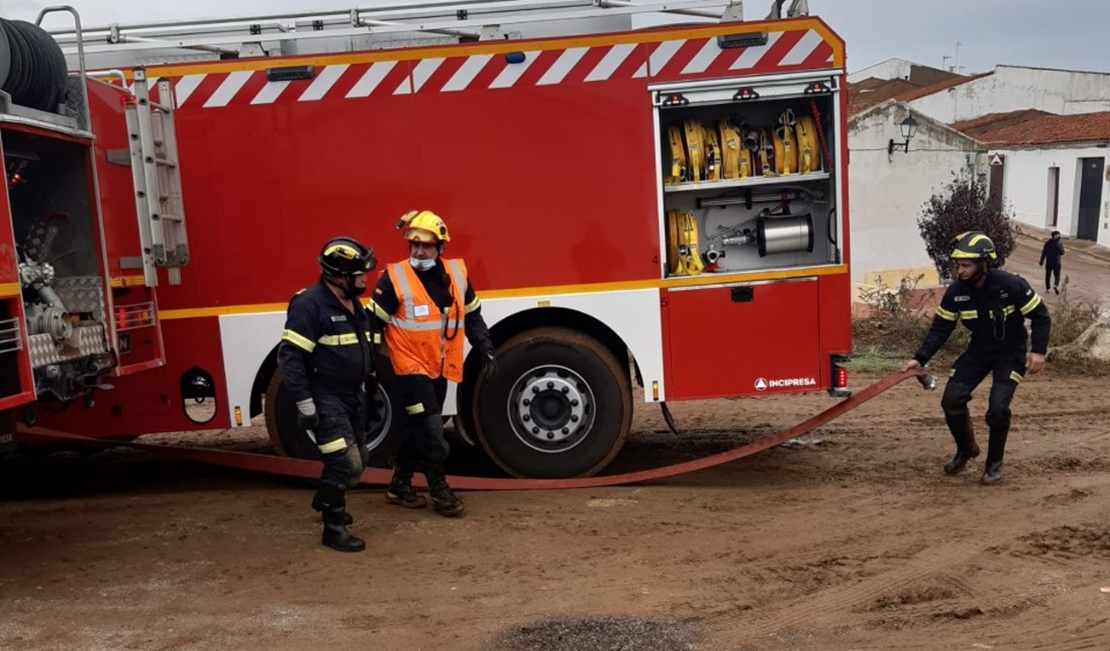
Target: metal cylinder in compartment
785 234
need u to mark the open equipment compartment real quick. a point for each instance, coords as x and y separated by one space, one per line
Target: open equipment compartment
748 173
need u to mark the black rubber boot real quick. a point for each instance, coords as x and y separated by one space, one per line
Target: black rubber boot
333 507
400 490
995 450
444 500
966 447
993 473
318 505
336 535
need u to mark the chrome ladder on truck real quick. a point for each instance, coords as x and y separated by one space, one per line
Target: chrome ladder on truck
157 180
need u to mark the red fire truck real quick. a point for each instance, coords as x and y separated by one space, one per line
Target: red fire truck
659 207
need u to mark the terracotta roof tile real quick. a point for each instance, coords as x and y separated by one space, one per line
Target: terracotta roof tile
865 94
995 121
1049 130
871 83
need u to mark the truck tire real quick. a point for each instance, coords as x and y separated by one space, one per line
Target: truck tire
559 406
290 439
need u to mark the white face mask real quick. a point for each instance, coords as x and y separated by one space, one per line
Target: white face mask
422 265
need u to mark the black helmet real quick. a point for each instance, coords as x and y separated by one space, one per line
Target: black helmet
973 245
343 256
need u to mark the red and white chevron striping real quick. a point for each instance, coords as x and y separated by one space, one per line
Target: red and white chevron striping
659 61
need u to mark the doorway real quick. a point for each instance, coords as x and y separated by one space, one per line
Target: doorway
997 177
1090 197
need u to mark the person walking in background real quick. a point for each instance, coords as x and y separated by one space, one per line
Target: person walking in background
1051 253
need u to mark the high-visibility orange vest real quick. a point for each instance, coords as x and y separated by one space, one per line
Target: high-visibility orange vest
417 333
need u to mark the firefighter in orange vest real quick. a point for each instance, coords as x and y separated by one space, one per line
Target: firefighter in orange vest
426 305
327 362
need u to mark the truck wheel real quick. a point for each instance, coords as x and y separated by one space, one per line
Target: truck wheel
559 406
290 439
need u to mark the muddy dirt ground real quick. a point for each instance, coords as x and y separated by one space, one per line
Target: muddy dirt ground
848 538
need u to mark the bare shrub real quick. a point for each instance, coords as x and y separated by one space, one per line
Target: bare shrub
962 206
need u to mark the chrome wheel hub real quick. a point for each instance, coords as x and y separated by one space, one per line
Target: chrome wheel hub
551 408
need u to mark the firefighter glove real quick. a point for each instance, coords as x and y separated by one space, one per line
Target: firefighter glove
307 416
489 362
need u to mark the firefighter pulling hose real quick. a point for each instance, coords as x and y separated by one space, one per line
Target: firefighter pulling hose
993 305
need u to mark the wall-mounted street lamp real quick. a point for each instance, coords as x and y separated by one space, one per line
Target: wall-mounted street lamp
909 130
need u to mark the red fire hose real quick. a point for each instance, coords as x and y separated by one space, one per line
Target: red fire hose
276 465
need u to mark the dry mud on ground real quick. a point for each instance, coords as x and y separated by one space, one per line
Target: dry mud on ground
849 538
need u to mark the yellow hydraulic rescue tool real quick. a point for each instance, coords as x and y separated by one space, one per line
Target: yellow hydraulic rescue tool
682 244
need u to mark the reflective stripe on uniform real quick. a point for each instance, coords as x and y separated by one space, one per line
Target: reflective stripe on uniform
333 446
409 324
460 278
338 340
969 314
408 300
379 312
946 315
298 340
460 281
1032 304
344 250
418 408
403 292
472 305
1016 377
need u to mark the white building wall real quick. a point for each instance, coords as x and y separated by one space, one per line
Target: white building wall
1026 187
886 194
889 69
1013 89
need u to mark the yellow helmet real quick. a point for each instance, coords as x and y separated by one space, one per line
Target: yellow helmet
423 226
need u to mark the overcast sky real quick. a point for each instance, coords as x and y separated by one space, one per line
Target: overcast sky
1044 33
